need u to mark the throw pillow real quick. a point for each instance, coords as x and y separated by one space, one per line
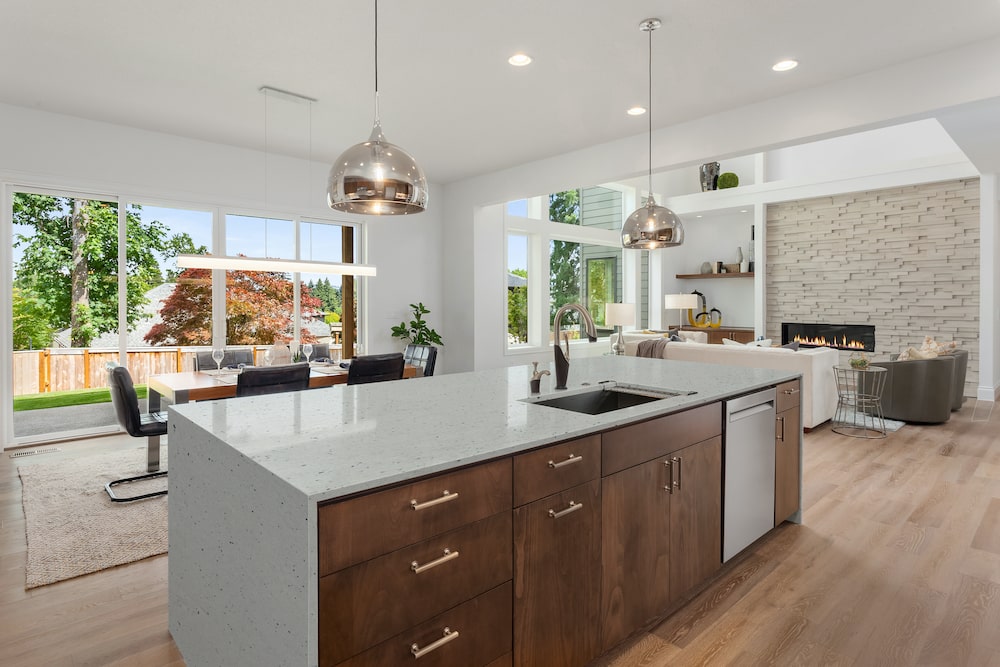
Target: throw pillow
760 343
729 341
794 346
914 353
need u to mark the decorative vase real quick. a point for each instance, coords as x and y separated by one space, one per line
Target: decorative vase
709 176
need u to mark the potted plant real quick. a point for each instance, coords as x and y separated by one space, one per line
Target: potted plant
417 332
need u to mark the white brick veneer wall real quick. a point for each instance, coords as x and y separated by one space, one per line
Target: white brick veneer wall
904 259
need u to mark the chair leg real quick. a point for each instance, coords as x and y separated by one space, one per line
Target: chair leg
129 480
152 453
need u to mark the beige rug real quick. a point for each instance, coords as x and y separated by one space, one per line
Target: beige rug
73 528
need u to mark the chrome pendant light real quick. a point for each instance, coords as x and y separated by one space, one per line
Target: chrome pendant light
651 226
376 177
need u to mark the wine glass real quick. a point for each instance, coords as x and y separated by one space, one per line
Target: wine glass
218 354
307 350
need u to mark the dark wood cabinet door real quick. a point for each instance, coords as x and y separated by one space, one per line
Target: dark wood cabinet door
557 561
473 634
786 464
695 515
636 553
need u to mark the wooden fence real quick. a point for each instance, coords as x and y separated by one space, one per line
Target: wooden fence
62 369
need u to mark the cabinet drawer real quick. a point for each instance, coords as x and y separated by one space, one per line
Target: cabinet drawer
552 469
356 530
483 630
631 445
788 396
363 605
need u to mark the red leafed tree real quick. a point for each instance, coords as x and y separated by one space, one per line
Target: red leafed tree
258 309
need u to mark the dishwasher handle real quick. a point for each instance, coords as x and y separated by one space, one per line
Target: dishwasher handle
750 412
742 407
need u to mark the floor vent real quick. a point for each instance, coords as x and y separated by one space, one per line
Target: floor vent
32 452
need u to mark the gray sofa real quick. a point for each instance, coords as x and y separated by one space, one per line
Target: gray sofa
924 391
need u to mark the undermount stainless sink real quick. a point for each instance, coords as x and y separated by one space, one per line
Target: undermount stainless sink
608 398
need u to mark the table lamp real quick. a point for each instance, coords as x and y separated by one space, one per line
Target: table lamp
680 302
617 314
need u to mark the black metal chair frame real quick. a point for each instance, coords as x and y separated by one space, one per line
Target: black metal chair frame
260 380
150 425
375 368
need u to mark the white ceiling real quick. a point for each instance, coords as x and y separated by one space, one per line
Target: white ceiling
448 96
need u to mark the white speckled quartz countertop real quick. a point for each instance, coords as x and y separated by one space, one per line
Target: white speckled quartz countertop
332 442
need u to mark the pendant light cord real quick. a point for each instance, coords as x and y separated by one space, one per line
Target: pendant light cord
378 121
649 115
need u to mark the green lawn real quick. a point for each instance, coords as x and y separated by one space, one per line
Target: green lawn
60 399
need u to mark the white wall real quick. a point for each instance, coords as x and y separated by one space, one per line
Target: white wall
902 93
64 152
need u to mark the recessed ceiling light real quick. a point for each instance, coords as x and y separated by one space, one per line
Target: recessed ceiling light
785 65
519 59
743 211
636 111
697 216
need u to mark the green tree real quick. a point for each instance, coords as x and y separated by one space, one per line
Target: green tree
258 309
517 308
70 262
564 256
31 321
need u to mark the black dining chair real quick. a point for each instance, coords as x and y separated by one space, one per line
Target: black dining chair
150 425
320 351
421 356
203 360
375 368
259 380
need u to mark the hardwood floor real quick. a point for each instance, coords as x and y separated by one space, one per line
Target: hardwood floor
897 563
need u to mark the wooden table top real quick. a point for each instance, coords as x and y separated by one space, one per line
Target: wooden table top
200 386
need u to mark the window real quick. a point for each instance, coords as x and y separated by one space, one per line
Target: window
517 289
577 248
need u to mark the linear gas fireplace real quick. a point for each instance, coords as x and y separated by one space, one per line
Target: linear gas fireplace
838 336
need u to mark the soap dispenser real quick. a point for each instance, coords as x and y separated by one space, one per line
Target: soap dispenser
536 378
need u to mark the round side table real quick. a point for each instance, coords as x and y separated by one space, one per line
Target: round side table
859 402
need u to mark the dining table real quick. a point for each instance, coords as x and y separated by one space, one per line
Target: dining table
177 388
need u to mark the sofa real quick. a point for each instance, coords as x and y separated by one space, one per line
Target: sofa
924 391
819 390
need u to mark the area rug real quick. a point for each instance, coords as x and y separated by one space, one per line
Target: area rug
863 420
73 527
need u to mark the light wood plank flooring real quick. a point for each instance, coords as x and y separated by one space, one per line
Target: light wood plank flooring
897 563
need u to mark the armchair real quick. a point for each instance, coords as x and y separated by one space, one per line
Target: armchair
924 390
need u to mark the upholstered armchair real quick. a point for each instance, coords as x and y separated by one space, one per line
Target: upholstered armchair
924 390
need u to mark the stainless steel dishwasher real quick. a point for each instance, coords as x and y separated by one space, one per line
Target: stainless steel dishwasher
748 486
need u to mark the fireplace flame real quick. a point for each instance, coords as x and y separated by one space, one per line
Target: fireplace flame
822 341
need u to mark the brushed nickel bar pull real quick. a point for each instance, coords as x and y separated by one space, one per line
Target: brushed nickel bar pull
445 497
781 420
449 635
448 555
572 458
670 476
789 391
573 506
680 466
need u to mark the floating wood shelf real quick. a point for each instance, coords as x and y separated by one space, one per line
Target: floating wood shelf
694 276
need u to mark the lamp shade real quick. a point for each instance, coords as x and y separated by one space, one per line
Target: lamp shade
619 314
377 178
675 301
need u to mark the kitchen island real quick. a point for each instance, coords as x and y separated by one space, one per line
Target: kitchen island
282 513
